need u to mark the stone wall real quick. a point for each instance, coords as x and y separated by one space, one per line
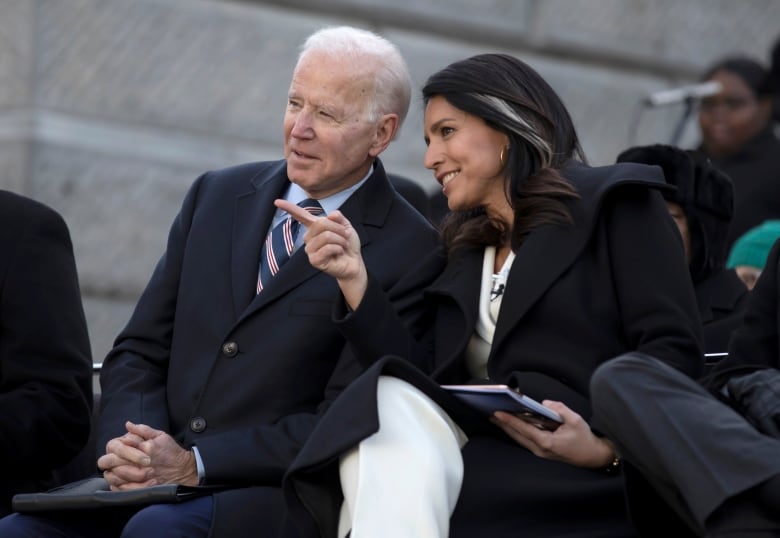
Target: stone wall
109 109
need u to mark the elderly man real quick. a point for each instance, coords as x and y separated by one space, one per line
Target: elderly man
231 354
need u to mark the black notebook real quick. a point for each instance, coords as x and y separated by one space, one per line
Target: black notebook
94 492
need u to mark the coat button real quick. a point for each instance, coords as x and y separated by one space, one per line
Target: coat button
230 349
198 424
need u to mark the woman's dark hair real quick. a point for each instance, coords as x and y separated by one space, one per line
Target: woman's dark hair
773 80
512 98
755 75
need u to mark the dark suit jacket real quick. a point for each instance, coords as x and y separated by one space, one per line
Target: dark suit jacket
575 297
45 361
245 377
412 193
754 169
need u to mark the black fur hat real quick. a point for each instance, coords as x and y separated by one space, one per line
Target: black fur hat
705 194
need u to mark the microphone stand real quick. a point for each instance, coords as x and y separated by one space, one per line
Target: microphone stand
687 111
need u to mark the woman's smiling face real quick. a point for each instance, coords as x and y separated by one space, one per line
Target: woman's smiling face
465 155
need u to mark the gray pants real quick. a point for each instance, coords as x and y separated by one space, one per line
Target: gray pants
694 450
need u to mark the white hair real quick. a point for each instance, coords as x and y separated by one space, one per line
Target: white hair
392 82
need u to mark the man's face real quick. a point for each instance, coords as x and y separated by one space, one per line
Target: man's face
328 142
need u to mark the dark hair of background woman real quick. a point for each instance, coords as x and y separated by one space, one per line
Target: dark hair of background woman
514 99
755 76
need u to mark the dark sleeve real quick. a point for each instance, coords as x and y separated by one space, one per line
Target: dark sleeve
402 326
754 345
134 373
45 362
654 289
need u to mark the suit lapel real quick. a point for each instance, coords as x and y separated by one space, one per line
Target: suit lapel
254 211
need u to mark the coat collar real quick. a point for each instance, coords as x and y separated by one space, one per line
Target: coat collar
366 209
721 291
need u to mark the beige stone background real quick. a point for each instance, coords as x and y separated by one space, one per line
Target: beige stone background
109 109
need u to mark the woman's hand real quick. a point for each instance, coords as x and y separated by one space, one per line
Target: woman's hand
572 442
333 247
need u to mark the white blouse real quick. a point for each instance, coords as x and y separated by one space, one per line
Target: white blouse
492 288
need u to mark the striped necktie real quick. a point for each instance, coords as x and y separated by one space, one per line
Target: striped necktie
280 242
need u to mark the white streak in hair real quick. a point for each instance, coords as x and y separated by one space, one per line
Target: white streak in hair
519 125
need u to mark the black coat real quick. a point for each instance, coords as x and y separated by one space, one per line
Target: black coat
755 172
45 360
722 298
756 343
241 376
575 297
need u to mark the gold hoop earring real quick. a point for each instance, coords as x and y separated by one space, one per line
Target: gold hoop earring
501 157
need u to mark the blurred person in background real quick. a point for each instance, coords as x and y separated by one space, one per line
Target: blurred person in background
737 134
748 254
701 204
774 81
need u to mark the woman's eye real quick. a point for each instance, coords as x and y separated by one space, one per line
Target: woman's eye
447 130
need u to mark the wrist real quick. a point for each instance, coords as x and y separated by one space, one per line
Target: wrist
613 466
611 460
354 288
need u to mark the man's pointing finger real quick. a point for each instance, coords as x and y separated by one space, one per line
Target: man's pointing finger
297 212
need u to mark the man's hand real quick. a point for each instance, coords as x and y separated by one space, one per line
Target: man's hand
333 247
145 457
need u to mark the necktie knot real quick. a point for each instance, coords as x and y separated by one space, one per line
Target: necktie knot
280 243
312 206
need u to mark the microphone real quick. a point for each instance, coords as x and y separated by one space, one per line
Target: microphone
683 93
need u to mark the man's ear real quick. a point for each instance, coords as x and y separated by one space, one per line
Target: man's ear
386 128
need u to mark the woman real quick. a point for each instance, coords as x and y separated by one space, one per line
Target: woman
549 268
737 135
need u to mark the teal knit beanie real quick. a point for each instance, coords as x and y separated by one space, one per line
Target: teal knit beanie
752 247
